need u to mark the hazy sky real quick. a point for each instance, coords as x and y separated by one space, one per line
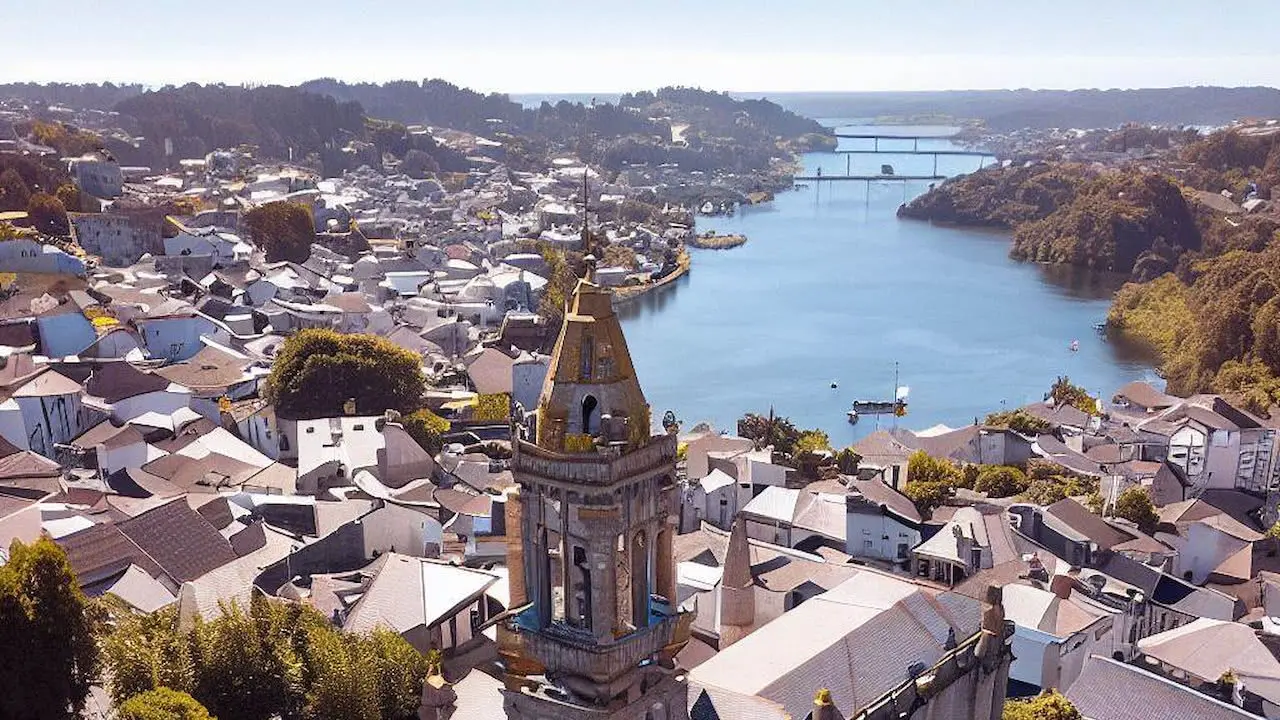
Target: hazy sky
604 46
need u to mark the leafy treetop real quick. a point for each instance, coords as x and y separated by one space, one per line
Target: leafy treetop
1065 393
284 230
317 371
47 643
1050 705
162 703
1135 506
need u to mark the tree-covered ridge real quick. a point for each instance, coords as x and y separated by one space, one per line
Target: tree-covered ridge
197 119
1000 196
1125 221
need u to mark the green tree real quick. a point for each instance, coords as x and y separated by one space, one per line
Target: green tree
345 681
1019 421
771 430
922 467
47 645
1050 705
1001 481
245 668
147 652
930 481
1095 502
812 449
928 496
1273 532
400 670
284 230
162 704
813 441
317 371
1135 506
427 429
48 215
14 193
1064 393
847 461
561 280
69 195
620 256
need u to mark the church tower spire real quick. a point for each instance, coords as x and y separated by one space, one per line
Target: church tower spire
600 624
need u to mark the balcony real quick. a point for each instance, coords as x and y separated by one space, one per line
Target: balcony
570 651
602 467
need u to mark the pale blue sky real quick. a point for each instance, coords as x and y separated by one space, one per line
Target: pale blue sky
604 46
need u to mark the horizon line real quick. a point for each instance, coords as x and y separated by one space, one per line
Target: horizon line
153 86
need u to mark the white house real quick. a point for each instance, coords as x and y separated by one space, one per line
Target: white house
226 248
1217 548
880 523
431 604
44 410
1217 445
27 255
795 518
1056 631
717 499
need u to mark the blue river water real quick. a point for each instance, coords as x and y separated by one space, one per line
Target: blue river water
833 287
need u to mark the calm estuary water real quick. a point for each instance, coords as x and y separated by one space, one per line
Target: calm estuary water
832 287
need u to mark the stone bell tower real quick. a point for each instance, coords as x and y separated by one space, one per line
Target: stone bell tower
595 626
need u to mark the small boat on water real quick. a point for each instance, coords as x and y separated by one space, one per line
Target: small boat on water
1075 346
875 407
896 407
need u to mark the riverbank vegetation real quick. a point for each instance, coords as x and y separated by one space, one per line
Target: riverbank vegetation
711 241
1205 284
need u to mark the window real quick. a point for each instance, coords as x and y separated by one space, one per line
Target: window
588 357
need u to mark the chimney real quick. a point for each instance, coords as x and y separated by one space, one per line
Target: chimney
1061 585
823 707
737 586
515 549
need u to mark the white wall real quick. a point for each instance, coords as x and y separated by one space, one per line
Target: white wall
175 338
12 427
1201 550
129 456
407 531
697 465
526 382
161 401
257 431
52 420
884 533
1035 655
734 496
401 459
763 473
